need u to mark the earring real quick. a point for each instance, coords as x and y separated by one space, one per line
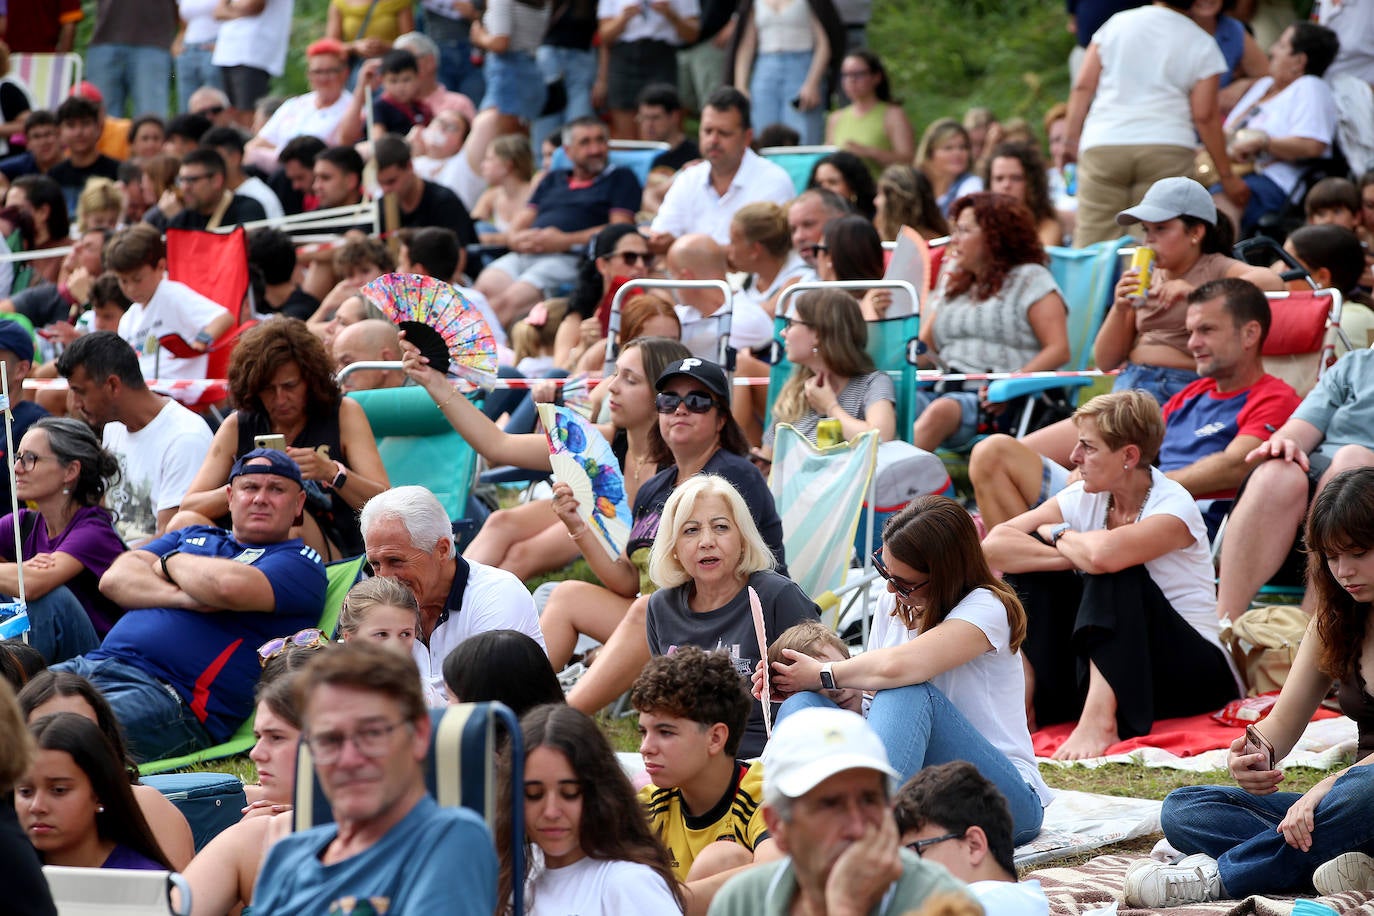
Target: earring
1126 467
99 809
815 350
66 491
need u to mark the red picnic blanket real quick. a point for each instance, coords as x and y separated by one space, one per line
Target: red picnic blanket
1183 737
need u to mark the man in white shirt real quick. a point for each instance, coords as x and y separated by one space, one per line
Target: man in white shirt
701 311
409 537
952 815
160 444
315 114
251 49
161 307
704 197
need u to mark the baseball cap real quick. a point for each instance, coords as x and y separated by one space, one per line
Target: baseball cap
815 743
327 46
704 371
277 464
1168 199
14 338
86 90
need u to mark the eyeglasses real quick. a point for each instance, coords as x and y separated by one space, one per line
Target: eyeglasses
371 741
918 846
212 111
854 74
960 229
324 71
816 248
309 638
694 401
788 323
184 180
900 586
631 258
27 460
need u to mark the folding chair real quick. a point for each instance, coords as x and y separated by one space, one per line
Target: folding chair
50 78
797 161
216 266
460 771
725 354
1303 334
342 575
115 891
636 155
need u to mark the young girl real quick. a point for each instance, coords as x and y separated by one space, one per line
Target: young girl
384 611
943 659
75 802
595 850
507 168
533 337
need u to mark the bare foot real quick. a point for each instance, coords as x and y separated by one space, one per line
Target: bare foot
1087 740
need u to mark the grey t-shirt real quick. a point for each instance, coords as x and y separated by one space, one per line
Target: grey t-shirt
993 334
671 623
854 399
1342 404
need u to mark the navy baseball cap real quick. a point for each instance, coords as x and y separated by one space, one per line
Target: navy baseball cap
278 464
704 371
18 341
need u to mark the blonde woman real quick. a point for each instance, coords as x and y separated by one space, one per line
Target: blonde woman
761 245
945 156
100 205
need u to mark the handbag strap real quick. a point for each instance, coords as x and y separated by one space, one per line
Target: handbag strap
367 20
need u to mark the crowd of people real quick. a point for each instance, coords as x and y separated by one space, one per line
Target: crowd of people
174 554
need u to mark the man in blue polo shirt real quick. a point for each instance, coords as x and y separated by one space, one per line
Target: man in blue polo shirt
180 667
567 208
1209 427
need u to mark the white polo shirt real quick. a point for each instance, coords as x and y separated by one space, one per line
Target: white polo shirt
692 204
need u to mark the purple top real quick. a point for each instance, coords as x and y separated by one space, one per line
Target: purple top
90 538
124 857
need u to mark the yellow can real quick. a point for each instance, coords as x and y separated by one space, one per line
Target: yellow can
829 433
1144 261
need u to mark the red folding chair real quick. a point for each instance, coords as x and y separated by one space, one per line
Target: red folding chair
1302 336
216 266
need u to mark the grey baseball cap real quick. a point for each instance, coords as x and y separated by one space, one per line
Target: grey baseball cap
1168 199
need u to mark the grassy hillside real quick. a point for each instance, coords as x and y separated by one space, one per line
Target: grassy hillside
944 55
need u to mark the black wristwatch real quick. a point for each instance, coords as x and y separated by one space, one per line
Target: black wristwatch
163 562
828 676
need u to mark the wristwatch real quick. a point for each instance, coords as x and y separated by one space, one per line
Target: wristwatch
1058 531
341 478
828 676
162 561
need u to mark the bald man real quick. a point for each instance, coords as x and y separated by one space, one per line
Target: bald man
698 257
212 104
366 341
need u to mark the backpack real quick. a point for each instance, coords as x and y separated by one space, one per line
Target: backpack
1264 641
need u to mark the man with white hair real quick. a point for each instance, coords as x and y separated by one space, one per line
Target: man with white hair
827 801
408 536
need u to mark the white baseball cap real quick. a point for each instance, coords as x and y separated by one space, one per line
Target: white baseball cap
813 744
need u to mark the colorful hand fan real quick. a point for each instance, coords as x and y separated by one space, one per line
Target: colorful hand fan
447 328
582 458
577 394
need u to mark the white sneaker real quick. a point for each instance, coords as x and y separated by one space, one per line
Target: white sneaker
1194 879
1352 871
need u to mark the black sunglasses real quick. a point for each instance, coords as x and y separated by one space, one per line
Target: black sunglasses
816 248
211 112
695 401
918 846
631 258
900 586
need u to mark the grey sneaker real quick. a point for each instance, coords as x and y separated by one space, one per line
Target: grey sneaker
1351 871
1194 879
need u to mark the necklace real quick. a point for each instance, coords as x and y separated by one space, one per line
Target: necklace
638 462
1111 503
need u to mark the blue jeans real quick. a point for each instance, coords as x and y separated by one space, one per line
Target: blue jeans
134 73
456 70
194 70
578 70
59 626
775 82
156 721
1159 382
514 85
920 727
1239 830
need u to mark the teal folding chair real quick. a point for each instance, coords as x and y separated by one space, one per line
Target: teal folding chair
797 161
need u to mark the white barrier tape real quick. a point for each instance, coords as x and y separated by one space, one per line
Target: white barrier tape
37 254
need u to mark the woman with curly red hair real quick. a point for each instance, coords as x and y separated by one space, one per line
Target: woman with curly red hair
996 309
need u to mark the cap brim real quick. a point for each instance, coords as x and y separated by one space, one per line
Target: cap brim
804 779
1144 213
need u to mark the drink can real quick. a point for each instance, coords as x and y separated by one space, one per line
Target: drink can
1144 261
828 433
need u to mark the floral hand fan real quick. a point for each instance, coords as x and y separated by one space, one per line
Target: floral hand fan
582 458
447 329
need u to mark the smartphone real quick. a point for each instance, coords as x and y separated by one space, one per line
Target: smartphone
176 345
1255 743
271 440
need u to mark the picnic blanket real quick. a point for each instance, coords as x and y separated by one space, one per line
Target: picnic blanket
1077 822
1199 744
1095 887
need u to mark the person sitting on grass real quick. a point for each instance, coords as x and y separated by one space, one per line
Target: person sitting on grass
952 815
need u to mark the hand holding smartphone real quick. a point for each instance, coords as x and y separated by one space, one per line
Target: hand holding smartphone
1256 743
270 440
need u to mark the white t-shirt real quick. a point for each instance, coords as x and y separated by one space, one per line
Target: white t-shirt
456 174
1011 898
256 41
1305 109
156 466
256 188
990 690
201 25
1353 21
649 23
302 116
493 600
1186 576
175 308
794 268
1152 57
692 204
750 327
595 886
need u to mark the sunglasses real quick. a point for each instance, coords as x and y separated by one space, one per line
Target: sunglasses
918 846
212 111
631 258
817 248
900 586
309 638
695 401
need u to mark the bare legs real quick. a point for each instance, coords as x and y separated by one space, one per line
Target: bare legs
526 540
1096 728
617 664
581 607
937 422
1006 477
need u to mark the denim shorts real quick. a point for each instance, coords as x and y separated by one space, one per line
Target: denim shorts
964 436
515 85
1161 383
